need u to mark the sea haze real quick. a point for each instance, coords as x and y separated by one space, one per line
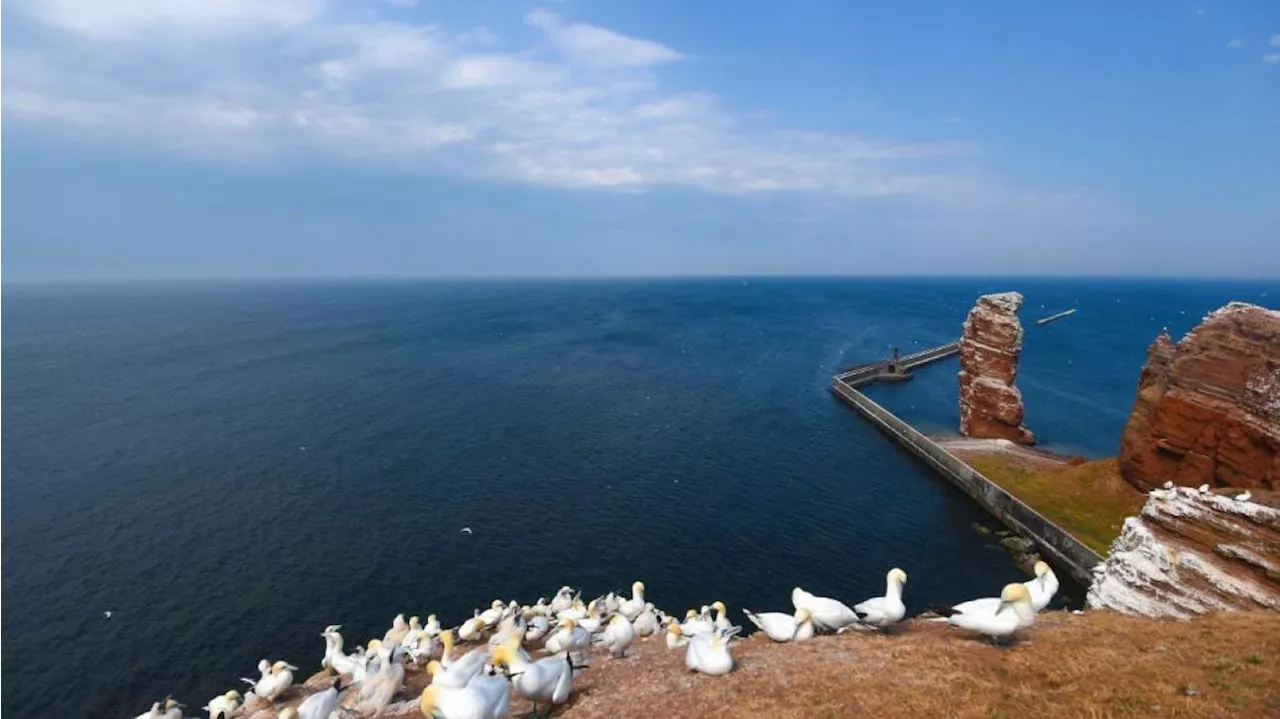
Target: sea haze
229 467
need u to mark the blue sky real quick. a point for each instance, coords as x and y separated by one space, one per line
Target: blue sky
240 138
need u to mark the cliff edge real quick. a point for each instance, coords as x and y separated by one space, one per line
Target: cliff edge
990 404
1208 407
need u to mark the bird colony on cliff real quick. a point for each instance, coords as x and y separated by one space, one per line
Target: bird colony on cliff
534 652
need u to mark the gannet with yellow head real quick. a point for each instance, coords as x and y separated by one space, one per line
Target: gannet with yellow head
881 612
709 653
547 681
1014 612
223 705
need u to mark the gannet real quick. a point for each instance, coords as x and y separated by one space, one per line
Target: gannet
277 678
317 706
153 713
593 622
172 709
675 636
632 607
493 614
460 672
446 642
471 629
223 705
264 670
540 607
568 637
562 600
1203 489
709 653
609 603
1043 587
509 627
722 615
397 632
376 691
548 680
1041 591
577 610
538 627
782 627
646 622
617 636
695 623
418 644
415 631
1012 613
334 658
432 628
828 614
485 697
881 612
1244 496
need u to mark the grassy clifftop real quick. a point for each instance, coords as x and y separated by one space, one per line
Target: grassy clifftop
1094 664
1088 499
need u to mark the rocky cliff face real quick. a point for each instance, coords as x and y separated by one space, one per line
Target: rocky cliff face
990 405
1208 407
1191 552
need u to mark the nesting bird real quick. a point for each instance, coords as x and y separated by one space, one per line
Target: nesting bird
567 638
709 653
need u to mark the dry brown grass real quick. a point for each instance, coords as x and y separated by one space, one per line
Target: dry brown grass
1098 664
1090 500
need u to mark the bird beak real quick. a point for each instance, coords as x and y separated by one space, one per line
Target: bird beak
1001 608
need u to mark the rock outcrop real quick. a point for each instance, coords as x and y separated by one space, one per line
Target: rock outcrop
1208 407
1191 552
990 405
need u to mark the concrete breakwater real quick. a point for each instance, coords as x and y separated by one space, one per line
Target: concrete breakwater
1054 542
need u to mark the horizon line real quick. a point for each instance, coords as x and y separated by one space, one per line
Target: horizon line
480 278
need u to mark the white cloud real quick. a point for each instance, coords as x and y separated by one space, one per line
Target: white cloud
1235 43
417 96
596 46
1275 40
1272 58
118 18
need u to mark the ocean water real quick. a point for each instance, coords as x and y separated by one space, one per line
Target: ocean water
228 467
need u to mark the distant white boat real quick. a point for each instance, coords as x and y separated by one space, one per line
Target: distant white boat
1060 315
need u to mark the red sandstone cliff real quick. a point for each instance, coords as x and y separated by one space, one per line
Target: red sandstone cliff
1208 408
990 406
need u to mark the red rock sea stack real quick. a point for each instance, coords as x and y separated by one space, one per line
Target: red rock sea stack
990 405
1208 407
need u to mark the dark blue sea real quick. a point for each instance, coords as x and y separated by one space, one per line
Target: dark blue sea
228 467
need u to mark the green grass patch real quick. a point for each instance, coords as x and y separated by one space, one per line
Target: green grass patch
1089 500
